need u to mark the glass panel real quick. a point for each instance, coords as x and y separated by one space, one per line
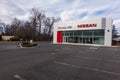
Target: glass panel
70 39
87 32
71 34
84 36
99 32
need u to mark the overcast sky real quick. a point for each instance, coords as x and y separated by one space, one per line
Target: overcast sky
66 9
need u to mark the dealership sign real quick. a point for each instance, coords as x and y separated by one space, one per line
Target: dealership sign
66 27
86 25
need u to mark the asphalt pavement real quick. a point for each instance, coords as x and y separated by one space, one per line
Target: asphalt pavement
59 62
6 45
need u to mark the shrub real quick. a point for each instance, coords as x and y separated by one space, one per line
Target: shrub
28 44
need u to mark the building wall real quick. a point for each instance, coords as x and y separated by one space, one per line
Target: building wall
7 38
108 32
102 23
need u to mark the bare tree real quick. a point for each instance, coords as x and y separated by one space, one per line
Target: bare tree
48 22
14 26
31 29
7 30
114 32
37 18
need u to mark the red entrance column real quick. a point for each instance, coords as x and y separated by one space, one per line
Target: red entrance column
59 36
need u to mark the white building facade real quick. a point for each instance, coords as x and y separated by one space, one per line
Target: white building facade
90 31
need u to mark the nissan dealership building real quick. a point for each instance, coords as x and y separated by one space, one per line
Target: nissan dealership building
90 31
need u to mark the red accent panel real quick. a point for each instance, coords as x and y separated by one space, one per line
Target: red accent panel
59 36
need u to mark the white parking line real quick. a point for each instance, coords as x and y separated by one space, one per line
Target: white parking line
109 60
18 77
87 68
93 48
53 53
58 49
62 49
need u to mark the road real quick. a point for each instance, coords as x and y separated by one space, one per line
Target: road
59 62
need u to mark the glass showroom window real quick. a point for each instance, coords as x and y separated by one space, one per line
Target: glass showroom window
84 36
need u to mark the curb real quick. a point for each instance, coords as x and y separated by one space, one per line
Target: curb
84 45
28 47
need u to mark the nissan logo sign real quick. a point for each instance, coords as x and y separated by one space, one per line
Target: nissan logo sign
86 25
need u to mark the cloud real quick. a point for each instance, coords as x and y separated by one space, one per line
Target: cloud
66 9
116 22
9 10
73 14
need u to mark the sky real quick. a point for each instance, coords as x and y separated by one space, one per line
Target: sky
67 10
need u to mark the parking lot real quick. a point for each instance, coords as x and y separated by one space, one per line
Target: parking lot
9 45
60 62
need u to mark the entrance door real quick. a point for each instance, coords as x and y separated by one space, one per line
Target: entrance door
65 39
